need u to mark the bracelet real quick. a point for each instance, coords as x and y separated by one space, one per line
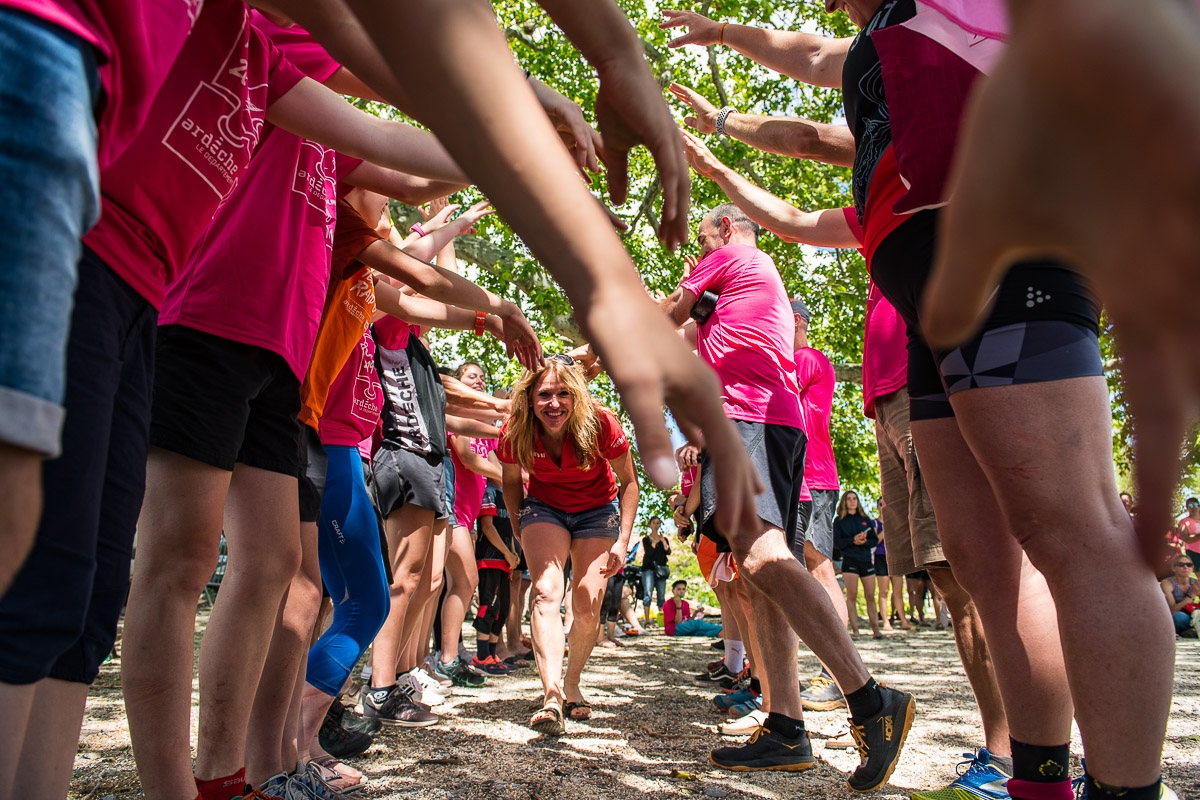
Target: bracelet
480 321
721 33
722 115
417 229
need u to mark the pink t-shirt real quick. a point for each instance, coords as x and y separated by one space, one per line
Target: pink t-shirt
136 43
260 273
468 485
673 614
815 378
355 398
885 351
393 332
748 338
161 194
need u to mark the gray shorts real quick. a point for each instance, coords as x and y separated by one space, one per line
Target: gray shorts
403 477
820 523
601 522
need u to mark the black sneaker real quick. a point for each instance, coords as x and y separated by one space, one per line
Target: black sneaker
394 707
880 740
714 672
460 674
719 644
822 694
337 740
766 750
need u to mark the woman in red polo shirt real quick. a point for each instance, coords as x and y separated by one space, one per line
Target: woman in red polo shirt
583 496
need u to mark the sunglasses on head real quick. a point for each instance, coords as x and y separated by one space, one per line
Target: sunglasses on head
562 358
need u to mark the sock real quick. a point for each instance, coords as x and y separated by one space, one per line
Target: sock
379 694
735 655
1041 764
492 648
866 702
226 788
1100 791
785 726
755 686
481 648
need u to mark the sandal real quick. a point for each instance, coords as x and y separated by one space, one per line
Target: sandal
326 768
583 706
518 662
548 721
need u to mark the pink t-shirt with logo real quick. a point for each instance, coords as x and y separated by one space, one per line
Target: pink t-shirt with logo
161 194
815 378
748 338
260 273
355 399
468 485
136 43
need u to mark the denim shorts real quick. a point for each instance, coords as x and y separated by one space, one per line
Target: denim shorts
601 522
50 188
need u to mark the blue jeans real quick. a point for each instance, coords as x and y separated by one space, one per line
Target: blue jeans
50 190
650 584
601 522
697 627
1183 621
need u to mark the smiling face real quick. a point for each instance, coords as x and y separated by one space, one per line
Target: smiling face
473 376
552 402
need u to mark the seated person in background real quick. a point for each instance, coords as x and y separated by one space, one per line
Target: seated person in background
1182 592
680 620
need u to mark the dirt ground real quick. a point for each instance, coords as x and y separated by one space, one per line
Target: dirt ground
650 734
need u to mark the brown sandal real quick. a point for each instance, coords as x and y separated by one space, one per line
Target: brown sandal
548 721
583 706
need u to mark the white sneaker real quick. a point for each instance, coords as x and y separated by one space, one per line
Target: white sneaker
424 691
744 726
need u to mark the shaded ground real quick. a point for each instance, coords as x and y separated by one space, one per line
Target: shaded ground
650 734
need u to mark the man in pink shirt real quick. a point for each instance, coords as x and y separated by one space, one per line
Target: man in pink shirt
745 332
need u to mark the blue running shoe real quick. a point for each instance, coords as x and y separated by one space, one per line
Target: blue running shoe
724 702
978 779
742 709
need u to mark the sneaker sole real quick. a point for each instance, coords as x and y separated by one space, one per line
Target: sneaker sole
825 705
909 712
795 767
400 723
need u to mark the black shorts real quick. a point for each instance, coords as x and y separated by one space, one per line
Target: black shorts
799 535
406 478
881 565
1044 324
223 402
777 452
312 476
494 599
861 568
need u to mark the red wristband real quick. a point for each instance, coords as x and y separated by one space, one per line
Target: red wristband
480 322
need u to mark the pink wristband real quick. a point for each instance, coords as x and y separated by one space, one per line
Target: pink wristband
417 229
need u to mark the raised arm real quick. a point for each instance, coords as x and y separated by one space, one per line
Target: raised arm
807 57
786 136
825 228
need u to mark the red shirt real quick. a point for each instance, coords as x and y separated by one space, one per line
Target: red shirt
569 487
673 614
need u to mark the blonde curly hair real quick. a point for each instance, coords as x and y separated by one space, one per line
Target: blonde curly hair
583 424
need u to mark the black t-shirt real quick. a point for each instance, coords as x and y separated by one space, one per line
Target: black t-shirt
414 411
864 98
846 528
493 508
653 555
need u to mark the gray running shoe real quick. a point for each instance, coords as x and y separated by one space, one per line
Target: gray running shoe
394 706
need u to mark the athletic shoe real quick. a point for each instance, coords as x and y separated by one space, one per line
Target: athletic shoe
307 784
724 702
742 709
978 778
337 740
253 793
744 726
396 708
880 740
713 671
429 681
719 644
460 674
822 694
490 666
428 692
464 653
766 750
276 786
736 683
430 668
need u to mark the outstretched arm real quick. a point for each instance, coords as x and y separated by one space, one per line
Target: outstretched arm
807 57
473 461
786 136
825 228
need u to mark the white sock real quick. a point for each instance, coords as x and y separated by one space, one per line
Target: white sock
735 656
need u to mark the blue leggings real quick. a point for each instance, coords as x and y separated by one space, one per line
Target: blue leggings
352 569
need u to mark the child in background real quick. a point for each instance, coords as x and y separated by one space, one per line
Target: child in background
495 560
680 620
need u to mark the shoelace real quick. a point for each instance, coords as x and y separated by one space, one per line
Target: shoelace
860 739
759 731
820 682
973 763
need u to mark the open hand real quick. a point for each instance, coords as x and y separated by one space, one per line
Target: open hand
705 118
702 31
581 139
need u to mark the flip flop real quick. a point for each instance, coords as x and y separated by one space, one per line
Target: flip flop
583 706
519 662
548 721
327 768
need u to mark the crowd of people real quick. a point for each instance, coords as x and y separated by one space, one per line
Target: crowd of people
212 332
